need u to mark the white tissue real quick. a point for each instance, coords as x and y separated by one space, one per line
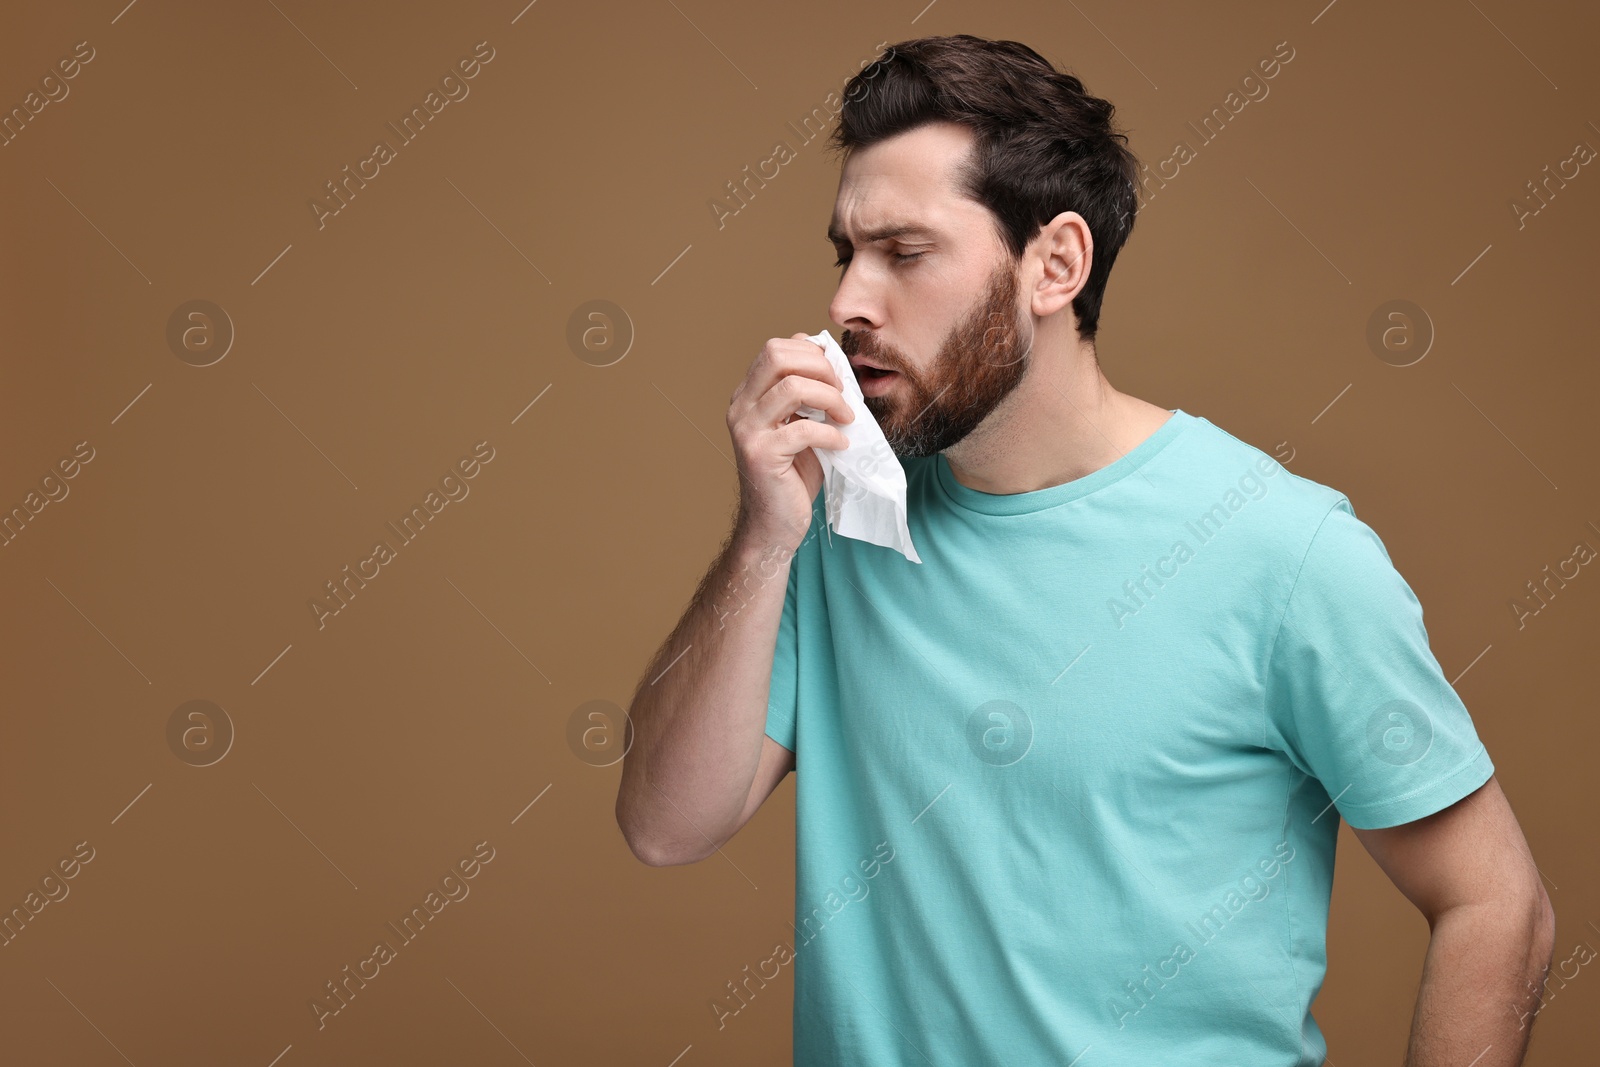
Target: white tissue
864 484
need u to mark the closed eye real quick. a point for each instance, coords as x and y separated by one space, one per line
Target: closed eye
845 260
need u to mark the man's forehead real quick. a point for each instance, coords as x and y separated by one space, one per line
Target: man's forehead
902 187
877 207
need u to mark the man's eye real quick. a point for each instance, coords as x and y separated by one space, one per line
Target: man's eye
900 257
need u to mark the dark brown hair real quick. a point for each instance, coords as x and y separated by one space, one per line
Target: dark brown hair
1043 144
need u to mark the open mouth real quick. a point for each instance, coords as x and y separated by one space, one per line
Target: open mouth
872 372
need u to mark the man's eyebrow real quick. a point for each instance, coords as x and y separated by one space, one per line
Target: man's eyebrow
882 233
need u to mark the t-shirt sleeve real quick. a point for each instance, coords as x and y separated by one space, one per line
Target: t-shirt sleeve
1355 697
784 690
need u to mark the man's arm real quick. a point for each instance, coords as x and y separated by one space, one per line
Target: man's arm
1469 871
693 774
701 762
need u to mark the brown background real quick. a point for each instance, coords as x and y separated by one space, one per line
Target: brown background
372 353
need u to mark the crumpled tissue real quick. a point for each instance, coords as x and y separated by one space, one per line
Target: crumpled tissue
864 485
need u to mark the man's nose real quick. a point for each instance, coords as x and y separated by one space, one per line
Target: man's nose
851 307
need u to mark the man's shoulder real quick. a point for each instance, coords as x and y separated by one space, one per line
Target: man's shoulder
1228 475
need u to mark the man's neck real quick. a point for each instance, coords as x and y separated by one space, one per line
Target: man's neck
1063 422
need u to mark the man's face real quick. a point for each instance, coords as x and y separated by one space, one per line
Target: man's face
938 306
927 406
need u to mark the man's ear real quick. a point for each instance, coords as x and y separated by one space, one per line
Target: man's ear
1065 251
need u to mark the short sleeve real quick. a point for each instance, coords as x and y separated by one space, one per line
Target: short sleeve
1355 697
784 689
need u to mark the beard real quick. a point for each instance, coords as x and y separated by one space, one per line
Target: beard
981 361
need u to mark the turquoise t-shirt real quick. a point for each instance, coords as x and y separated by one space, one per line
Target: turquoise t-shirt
1069 790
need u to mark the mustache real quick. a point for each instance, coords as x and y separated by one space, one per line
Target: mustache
865 345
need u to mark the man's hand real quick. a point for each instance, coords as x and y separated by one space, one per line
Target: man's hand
1468 870
773 442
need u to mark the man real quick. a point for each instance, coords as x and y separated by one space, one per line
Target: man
1093 751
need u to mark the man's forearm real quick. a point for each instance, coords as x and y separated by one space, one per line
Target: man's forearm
698 715
1482 984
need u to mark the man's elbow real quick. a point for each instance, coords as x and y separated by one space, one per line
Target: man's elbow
647 854
650 854
1542 940
1537 927
643 848
654 856
651 851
